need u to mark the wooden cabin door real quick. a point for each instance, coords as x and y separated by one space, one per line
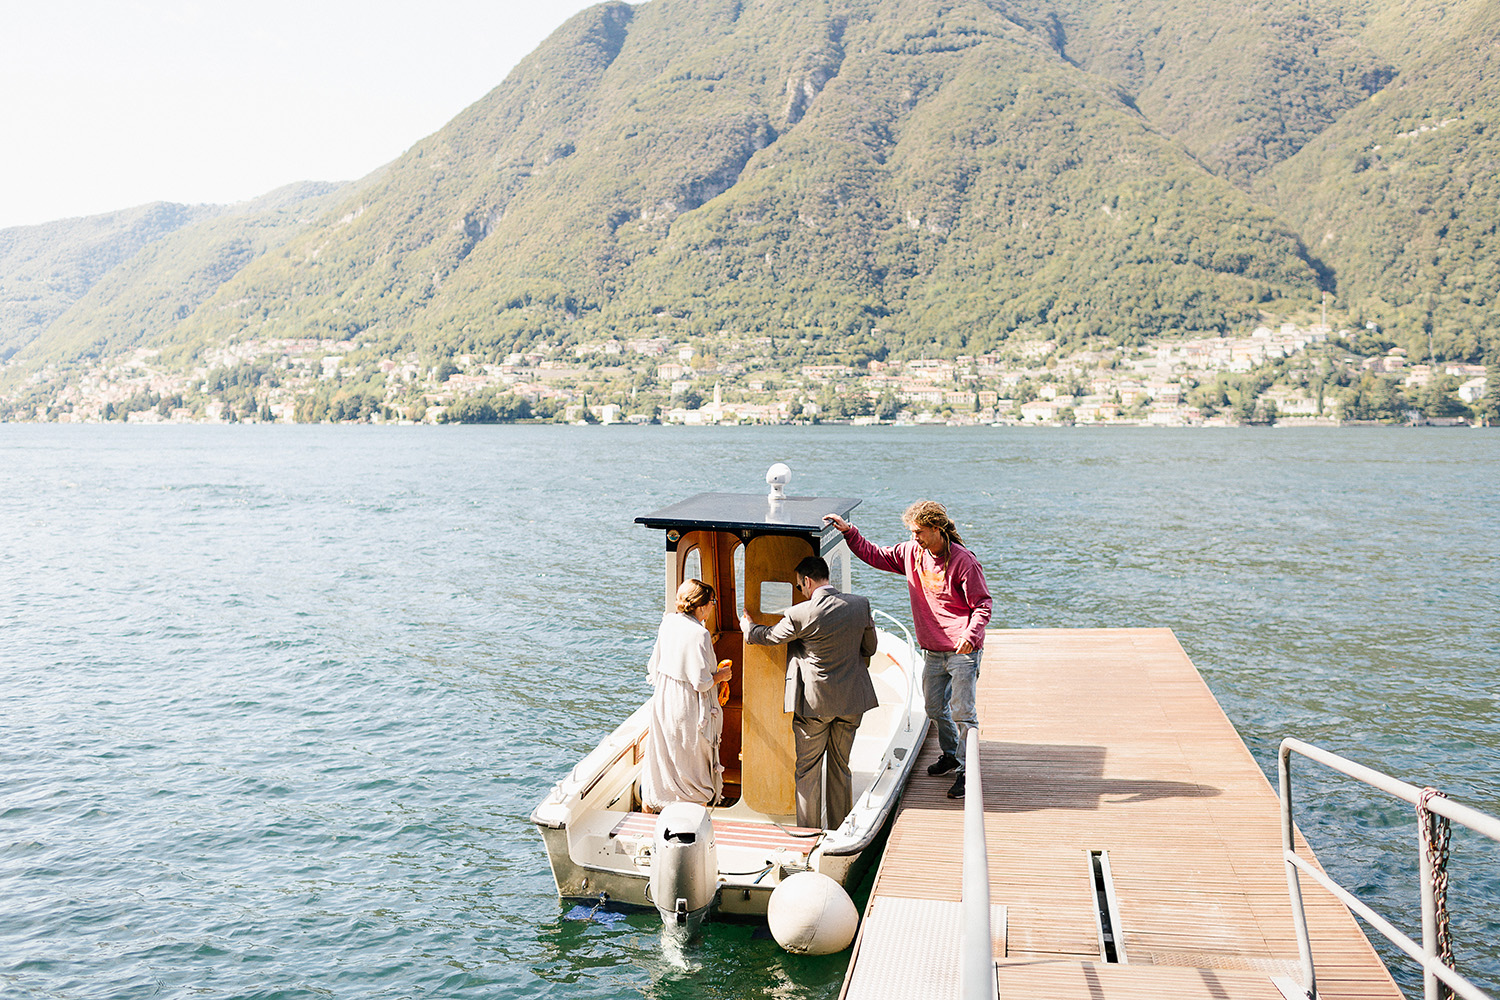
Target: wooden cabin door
767 749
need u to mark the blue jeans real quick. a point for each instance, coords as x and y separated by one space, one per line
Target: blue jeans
948 681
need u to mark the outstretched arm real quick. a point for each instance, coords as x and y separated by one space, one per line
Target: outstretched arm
768 635
865 551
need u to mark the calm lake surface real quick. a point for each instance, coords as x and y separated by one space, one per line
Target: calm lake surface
279 700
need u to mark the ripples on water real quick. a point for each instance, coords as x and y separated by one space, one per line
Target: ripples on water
279 700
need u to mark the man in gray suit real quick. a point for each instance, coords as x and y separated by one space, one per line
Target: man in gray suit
830 638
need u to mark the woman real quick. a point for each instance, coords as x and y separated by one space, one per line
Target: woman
682 748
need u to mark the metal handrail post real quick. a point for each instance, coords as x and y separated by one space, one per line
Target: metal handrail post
1309 982
977 965
1460 986
1430 988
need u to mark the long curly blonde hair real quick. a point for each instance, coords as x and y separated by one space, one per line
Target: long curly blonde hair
931 514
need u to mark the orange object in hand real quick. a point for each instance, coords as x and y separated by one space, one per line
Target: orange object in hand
724 685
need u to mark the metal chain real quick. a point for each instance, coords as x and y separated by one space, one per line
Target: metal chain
1436 835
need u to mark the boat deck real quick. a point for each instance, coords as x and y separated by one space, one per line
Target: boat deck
729 833
1104 741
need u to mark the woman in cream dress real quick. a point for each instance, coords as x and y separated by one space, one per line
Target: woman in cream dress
682 748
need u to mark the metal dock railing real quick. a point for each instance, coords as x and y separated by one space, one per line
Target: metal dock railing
1433 812
977 964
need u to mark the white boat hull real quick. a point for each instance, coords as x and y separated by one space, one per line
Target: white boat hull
599 847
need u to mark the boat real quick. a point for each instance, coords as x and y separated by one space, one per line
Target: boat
601 845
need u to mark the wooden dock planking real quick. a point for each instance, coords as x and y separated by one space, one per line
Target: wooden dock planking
1099 981
1108 740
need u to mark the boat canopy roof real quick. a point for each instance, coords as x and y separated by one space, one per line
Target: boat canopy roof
749 514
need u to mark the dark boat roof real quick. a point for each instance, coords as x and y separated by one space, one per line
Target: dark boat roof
742 512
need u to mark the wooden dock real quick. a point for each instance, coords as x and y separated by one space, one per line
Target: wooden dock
1104 741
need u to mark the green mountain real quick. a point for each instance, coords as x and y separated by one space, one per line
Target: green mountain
169 278
99 285
1400 194
44 269
857 178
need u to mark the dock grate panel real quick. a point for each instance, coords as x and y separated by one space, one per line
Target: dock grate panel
910 948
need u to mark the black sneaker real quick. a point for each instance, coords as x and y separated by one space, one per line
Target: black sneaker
957 791
947 762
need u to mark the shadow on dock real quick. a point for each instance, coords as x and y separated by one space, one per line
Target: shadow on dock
1025 777
1021 777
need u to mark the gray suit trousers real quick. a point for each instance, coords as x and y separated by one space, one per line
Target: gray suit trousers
817 738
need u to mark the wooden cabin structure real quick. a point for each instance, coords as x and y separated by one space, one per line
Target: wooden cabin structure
747 549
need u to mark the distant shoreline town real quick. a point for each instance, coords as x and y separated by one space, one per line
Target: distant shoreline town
1292 375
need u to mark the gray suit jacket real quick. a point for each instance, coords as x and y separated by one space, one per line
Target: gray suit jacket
830 640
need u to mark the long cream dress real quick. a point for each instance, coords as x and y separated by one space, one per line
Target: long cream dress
682 749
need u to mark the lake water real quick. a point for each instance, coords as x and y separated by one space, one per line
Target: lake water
279 700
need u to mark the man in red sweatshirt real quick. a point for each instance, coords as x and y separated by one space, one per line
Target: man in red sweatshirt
950 606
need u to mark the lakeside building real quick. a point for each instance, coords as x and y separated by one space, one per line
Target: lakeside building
1101 386
1292 402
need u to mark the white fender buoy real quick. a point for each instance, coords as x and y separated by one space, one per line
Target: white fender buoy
811 914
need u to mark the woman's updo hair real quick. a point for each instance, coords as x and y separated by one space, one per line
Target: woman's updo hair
930 514
692 595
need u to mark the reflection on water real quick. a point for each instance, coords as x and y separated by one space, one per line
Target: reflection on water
280 699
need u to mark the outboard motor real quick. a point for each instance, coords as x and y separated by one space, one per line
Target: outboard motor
684 865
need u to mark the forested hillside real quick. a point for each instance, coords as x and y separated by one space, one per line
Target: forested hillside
163 283
90 287
45 269
871 178
1400 194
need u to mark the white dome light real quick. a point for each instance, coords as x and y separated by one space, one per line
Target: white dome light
777 476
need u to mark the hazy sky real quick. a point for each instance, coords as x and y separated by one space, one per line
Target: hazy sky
107 104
